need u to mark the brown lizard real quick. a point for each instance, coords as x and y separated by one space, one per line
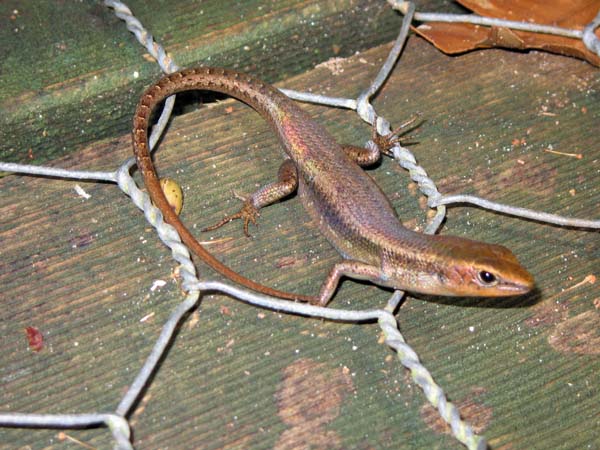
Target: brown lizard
349 208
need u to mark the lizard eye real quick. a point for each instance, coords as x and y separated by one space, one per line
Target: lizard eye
487 278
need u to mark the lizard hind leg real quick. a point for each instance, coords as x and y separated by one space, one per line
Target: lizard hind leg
287 182
248 212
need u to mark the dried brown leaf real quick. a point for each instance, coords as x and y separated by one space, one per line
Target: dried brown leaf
455 38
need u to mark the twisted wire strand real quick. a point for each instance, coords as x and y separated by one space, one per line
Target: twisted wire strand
121 431
56 172
402 155
493 22
169 236
53 420
123 12
422 377
166 232
543 217
118 426
590 40
587 35
165 62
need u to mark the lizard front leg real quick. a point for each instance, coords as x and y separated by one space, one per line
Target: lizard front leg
350 269
287 182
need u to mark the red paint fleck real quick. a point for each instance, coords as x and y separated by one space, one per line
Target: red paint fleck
35 338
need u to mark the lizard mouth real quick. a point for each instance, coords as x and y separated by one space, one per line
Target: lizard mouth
516 288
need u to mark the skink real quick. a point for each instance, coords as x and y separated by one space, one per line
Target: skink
346 204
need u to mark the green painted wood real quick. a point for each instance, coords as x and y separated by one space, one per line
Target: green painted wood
66 67
523 370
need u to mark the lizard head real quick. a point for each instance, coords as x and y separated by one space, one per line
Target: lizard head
455 266
473 268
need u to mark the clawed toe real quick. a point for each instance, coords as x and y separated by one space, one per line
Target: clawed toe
248 212
387 142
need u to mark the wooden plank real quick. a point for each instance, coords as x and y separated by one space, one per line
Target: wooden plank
67 67
523 370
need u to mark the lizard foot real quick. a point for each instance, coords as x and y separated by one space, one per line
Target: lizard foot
387 142
248 212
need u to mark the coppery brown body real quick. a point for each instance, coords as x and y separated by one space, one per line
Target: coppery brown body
349 208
